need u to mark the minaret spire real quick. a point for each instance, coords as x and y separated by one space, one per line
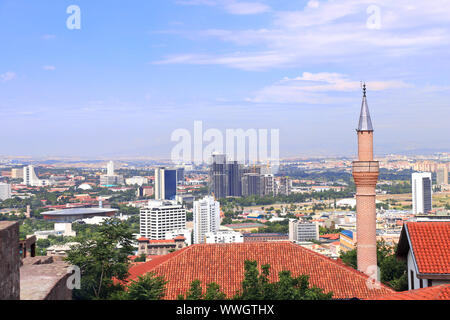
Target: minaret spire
365 122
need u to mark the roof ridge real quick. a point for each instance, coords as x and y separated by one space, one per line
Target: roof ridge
344 266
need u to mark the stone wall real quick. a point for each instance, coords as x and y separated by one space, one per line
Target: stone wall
9 261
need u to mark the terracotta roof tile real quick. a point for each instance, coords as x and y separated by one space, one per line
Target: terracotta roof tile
224 264
441 292
431 246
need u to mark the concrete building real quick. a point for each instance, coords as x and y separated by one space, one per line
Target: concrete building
284 186
442 175
251 184
303 231
224 236
365 174
421 192
161 216
267 185
30 178
110 178
206 214
165 184
110 168
5 191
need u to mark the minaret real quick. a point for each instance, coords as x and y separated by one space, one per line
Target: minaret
365 174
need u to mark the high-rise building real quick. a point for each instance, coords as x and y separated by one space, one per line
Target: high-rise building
180 175
5 191
442 175
110 178
234 179
110 168
421 192
206 218
165 184
251 184
224 236
285 186
267 185
218 176
29 176
160 217
365 174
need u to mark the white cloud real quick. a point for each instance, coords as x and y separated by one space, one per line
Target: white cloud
49 68
330 31
311 88
7 76
48 36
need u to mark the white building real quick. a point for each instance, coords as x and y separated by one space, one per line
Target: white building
224 236
206 214
303 231
30 178
161 216
186 233
110 169
421 192
140 181
5 191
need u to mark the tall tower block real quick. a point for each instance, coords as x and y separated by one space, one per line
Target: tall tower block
365 174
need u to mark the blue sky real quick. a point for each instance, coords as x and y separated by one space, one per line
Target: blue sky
138 70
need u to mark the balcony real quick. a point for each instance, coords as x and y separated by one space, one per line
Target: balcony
366 166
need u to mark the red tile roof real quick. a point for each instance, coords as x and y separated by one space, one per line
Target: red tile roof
430 243
441 292
331 236
224 264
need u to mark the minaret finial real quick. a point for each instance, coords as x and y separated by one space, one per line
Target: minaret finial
365 123
364 89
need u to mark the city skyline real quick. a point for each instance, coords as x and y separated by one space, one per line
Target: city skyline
130 76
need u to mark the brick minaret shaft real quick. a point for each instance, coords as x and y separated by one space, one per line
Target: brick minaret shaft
365 174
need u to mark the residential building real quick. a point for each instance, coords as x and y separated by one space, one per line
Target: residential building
186 233
140 181
421 192
160 247
206 214
251 184
425 246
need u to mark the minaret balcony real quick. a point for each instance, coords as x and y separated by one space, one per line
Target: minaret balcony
366 172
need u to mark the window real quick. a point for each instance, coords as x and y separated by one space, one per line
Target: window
430 282
421 283
412 279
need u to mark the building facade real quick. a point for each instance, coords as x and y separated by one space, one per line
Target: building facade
5 191
159 217
303 231
165 184
421 192
206 214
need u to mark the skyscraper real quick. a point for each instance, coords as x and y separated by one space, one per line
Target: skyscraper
29 176
251 184
218 176
421 192
365 174
206 218
234 179
165 184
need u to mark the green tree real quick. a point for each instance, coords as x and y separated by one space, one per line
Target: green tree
194 292
213 292
101 259
256 286
147 287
